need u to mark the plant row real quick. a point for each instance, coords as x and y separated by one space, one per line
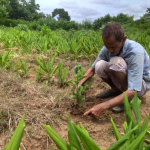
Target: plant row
136 133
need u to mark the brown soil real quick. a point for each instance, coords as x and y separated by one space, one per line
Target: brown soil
51 105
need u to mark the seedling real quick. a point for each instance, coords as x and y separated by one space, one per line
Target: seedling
5 60
78 75
47 67
61 75
79 96
23 69
39 74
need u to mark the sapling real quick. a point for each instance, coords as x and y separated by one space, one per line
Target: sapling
47 67
78 75
5 60
23 69
79 96
61 75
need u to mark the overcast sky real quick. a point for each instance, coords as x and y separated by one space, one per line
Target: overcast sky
92 9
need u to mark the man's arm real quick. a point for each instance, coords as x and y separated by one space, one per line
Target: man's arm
88 75
98 109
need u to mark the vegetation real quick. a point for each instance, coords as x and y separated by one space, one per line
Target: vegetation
34 42
133 138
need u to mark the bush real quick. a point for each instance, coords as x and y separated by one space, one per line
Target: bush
22 27
12 22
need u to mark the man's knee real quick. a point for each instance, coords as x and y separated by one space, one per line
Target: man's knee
117 64
101 68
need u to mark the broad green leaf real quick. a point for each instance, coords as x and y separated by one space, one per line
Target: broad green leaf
121 141
87 141
15 140
144 126
135 104
128 113
136 143
125 126
82 127
65 72
147 147
117 134
72 136
60 143
41 64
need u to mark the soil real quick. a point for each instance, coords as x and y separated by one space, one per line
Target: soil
51 105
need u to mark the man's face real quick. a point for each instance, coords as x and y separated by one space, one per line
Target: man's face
113 46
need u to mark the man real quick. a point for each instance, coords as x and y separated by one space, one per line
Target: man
123 64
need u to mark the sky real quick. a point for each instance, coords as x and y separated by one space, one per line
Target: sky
80 10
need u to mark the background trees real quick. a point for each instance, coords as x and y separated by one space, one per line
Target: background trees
3 8
61 14
14 12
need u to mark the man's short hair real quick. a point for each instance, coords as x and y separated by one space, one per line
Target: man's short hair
113 29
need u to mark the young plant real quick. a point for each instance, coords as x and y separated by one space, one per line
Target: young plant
47 67
134 132
61 75
23 68
79 96
78 75
39 74
133 139
5 60
74 134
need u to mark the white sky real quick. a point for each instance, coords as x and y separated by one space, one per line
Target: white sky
80 10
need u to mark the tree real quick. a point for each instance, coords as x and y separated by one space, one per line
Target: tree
24 10
123 18
62 14
100 21
3 8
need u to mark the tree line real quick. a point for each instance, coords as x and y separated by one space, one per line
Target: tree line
14 12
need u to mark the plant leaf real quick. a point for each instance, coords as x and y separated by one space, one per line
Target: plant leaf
60 143
15 140
87 141
72 136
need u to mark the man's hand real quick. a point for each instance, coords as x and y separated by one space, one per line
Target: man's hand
97 110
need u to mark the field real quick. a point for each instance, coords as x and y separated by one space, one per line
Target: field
29 85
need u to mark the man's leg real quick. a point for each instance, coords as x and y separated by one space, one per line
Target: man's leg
102 70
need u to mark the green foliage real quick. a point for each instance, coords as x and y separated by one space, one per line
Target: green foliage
78 74
79 96
3 8
134 132
61 75
23 69
62 14
5 59
45 30
22 27
74 134
48 68
15 140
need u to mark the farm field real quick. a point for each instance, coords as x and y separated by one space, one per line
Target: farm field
29 85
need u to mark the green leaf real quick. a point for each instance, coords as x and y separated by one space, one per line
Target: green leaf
72 136
85 131
87 141
15 140
135 104
128 113
147 147
65 72
135 144
117 134
60 143
121 141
